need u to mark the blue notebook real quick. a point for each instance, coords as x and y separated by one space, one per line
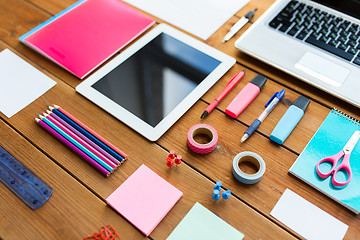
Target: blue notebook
329 139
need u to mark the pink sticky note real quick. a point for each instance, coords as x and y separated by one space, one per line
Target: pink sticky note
144 199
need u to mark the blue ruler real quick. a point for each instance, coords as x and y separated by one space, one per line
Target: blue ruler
25 184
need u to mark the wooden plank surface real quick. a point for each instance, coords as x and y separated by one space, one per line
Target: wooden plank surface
80 191
72 212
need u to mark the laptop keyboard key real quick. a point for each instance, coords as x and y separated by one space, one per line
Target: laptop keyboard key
285 15
333 42
283 28
292 31
352 30
352 43
306 24
342 46
292 4
308 11
353 37
352 51
335 30
323 31
333 35
300 7
274 24
326 26
342 39
301 35
344 33
357 61
315 35
324 39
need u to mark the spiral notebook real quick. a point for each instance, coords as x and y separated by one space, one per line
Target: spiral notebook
329 139
87 33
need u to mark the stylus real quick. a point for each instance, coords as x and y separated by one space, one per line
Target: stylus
231 84
239 24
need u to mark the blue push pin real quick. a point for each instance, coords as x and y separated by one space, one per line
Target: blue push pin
216 195
226 194
218 186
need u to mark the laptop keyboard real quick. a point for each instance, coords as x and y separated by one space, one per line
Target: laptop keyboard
321 29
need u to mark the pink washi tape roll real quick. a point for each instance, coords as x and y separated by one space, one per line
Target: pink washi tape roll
199 147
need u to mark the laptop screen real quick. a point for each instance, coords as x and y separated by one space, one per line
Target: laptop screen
350 7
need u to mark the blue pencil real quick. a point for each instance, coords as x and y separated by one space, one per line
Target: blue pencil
76 143
87 134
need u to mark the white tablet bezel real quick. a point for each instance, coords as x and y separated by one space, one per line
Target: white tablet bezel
154 133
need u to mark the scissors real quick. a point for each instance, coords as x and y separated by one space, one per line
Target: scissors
345 164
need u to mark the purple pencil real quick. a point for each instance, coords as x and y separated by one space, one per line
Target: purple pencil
79 134
72 147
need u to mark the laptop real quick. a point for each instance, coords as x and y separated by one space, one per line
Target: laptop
317 41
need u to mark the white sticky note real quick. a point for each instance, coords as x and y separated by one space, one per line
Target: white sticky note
20 83
307 219
199 17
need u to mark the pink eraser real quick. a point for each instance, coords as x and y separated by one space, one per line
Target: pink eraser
245 96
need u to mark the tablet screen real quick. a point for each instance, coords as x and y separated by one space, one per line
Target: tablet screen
156 78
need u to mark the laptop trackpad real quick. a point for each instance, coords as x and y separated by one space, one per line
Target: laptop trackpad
322 69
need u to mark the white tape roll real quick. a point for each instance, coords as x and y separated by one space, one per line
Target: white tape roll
252 158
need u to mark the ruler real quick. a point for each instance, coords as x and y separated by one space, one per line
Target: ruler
25 184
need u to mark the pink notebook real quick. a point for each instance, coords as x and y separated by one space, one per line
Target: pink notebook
87 33
144 199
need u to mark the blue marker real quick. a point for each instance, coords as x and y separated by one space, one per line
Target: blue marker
269 106
290 119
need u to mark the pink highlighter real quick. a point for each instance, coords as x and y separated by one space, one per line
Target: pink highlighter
245 96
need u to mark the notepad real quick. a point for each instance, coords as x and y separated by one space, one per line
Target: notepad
201 224
20 83
144 199
307 219
200 17
329 139
87 33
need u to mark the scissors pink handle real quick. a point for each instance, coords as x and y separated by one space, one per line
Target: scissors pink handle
345 165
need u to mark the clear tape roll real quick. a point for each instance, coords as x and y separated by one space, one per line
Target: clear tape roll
252 158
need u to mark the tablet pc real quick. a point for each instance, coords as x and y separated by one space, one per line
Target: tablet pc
151 84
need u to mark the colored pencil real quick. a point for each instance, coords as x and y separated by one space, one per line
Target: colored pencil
73 147
76 132
76 143
91 131
81 141
87 134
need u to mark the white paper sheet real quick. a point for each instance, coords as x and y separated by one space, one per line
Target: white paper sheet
307 219
20 83
199 17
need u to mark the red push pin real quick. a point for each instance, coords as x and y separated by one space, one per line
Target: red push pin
178 159
170 163
172 154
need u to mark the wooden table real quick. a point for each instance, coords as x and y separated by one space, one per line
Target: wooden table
78 208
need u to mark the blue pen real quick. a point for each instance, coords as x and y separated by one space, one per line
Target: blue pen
268 107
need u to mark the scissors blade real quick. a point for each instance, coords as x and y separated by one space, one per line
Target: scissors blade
352 142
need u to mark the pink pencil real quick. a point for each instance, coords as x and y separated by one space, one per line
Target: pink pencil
72 147
79 134
82 142
90 131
